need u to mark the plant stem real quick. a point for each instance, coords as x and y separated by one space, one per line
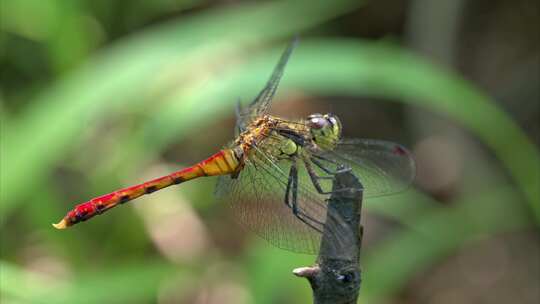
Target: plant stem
335 278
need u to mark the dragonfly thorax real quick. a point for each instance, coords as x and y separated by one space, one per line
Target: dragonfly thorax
255 132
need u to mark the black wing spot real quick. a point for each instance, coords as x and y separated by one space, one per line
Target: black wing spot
400 151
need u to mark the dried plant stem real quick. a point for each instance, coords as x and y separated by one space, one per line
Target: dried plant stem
335 278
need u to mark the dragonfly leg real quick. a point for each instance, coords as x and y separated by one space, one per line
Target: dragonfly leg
315 178
288 188
322 167
292 203
340 168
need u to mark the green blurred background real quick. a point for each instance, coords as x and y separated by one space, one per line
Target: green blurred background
97 95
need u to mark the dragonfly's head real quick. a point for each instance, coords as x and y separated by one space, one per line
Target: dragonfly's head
325 129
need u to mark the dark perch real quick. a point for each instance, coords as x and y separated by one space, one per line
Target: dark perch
335 278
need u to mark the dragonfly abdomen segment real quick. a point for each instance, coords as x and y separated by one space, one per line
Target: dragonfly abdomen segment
222 163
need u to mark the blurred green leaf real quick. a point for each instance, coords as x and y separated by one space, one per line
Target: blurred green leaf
264 261
122 284
434 235
68 33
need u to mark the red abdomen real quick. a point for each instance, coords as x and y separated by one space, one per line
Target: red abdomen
222 163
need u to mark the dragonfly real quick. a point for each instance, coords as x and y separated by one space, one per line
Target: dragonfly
276 174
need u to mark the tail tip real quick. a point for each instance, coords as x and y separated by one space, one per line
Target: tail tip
61 225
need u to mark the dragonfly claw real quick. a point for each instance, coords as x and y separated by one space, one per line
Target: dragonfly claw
343 169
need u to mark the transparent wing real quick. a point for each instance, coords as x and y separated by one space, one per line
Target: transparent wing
383 167
257 200
259 106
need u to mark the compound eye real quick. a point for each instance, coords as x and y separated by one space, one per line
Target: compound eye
318 122
332 120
